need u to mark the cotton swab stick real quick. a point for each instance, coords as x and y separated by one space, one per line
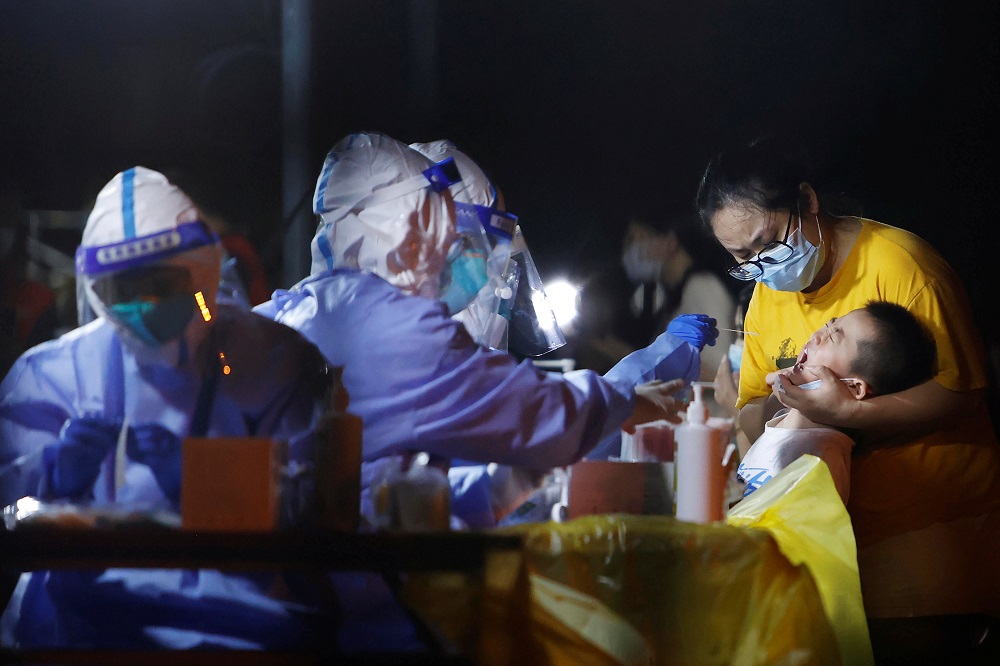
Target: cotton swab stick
120 456
737 331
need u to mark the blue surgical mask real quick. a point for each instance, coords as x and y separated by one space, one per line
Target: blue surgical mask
735 357
800 269
155 323
464 276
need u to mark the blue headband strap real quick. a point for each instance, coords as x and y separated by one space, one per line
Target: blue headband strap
495 222
135 252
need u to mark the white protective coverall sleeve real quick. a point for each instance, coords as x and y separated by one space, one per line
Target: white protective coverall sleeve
668 357
421 384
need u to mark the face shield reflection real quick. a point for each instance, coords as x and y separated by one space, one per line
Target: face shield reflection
154 303
482 315
533 328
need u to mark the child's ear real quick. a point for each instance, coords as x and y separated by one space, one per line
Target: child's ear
859 388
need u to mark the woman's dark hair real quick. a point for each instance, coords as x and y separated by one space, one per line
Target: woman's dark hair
901 355
762 174
766 174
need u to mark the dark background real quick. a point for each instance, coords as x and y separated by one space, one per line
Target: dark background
576 109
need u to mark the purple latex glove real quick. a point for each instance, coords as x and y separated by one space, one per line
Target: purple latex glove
160 450
73 463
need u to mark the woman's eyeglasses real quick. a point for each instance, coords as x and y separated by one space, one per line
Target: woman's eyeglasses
774 252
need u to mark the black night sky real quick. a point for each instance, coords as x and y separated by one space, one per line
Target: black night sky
576 108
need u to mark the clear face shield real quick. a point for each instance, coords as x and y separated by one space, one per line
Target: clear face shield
141 285
481 317
532 329
470 266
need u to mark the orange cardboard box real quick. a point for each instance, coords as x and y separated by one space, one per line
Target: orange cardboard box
598 486
231 483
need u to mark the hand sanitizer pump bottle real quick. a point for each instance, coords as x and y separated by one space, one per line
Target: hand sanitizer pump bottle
700 474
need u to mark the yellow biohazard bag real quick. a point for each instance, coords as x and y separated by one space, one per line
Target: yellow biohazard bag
625 589
801 509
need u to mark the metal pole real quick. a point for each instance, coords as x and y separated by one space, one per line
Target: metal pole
296 175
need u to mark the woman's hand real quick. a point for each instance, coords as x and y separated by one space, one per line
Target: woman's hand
832 403
655 401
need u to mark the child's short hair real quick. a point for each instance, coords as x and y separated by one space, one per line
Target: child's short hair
900 356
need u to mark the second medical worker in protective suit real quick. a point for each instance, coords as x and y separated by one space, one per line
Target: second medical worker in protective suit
161 362
375 304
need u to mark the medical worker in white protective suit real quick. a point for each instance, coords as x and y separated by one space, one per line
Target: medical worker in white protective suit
481 493
161 362
388 273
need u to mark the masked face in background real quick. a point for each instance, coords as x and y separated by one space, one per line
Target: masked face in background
642 256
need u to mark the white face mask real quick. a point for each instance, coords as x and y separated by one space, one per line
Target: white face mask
800 269
638 267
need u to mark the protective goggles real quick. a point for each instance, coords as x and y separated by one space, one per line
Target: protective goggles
153 284
140 252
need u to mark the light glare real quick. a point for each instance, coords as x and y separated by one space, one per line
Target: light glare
563 296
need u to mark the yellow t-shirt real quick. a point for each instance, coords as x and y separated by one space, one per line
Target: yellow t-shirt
898 486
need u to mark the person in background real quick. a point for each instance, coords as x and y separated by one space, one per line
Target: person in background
667 267
925 476
876 350
388 273
727 377
669 262
161 362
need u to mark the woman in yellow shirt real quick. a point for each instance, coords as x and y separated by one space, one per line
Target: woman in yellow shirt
925 498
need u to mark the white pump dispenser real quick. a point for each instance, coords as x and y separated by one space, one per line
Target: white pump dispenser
700 475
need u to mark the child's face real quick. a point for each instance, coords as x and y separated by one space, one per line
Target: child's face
835 346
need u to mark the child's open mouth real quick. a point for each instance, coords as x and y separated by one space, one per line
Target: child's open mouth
801 360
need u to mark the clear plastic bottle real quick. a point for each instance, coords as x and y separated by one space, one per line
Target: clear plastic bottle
419 497
701 477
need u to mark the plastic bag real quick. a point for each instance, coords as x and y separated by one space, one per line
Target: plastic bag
801 509
587 591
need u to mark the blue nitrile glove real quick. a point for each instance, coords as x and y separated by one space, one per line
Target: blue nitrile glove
696 329
160 450
73 463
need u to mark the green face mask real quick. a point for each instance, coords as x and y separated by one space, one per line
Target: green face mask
465 276
155 323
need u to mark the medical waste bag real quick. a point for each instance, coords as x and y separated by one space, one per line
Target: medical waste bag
779 586
800 508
